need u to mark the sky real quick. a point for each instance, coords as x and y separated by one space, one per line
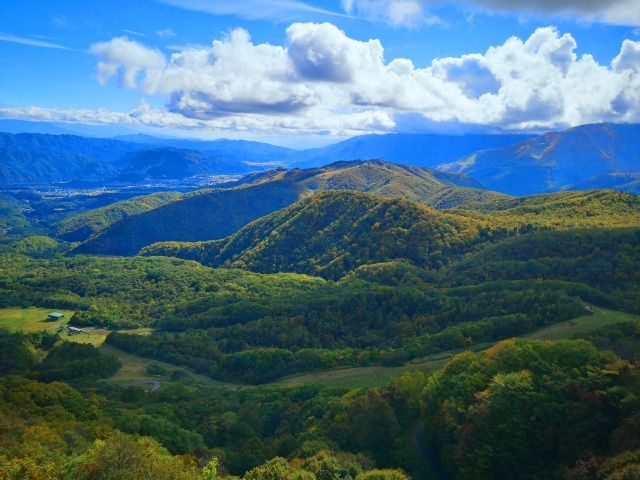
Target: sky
312 72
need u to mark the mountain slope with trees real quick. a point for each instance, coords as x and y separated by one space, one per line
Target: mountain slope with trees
270 191
332 233
201 215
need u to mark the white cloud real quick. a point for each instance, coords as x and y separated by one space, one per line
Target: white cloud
344 126
166 33
417 13
5 37
128 60
398 13
252 9
321 79
134 33
321 52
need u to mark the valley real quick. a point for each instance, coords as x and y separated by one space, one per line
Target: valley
308 319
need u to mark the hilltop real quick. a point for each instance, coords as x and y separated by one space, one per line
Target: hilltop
214 214
331 233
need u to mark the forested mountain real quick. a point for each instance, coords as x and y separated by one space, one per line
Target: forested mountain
174 163
205 214
429 187
310 287
589 156
332 233
177 222
80 227
24 166
555 160
580 209
626 182
238 151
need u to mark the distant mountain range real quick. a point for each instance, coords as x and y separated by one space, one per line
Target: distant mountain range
424 150
589 156
31 158
585 157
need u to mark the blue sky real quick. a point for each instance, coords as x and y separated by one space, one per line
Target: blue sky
321 70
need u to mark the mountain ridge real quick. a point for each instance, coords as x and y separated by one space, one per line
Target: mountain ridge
555 160
334 232
377 177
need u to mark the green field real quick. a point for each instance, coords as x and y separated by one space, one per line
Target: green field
579 326
34 319
134 369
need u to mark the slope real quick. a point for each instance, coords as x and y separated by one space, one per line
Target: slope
332 233
31 158
554 160
41 158
174 163
202 215
432 188
79 228
579 209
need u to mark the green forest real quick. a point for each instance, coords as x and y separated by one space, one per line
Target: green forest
228 334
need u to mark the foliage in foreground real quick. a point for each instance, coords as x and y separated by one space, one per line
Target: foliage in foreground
520 410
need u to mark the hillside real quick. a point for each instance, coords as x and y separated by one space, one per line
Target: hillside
80 227
238 151
429 187
626 182
332 233
555 160
202 215
564 210
13 221
32 158
174 163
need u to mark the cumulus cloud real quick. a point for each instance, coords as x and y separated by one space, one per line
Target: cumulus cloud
325 53
127 59
323 79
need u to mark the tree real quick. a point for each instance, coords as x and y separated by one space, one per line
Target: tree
123 457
